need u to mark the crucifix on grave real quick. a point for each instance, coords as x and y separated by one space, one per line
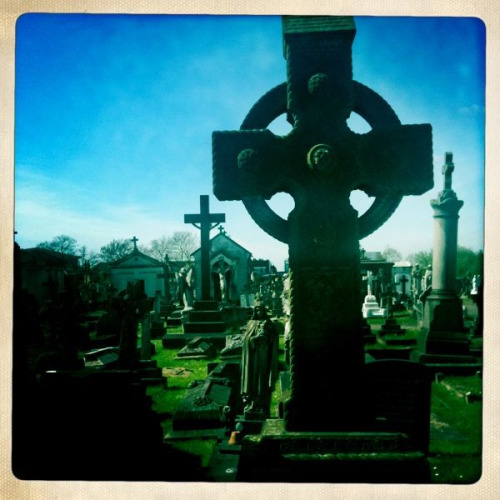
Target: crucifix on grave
319 163
205 221
403 281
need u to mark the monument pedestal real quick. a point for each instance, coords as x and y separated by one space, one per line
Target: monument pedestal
207 319
443 342
280 456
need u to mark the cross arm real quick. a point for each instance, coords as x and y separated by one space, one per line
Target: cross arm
396 161
197 220
247 163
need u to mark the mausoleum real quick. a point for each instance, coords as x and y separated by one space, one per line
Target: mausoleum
229 268
138 266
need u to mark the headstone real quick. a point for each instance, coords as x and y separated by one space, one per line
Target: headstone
146 346
205 221
62 334
368 336
109 324
391 327
203 406
477 296
106 357
247 300
400 394
233 347
371 309
319 163
198 348
403 281
134 306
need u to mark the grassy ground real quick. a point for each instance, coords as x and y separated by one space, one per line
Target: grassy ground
455 450
455 447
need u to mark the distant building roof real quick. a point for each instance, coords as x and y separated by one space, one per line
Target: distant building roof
224 236
137 253
43 257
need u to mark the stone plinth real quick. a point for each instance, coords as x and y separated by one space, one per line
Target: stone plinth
280 456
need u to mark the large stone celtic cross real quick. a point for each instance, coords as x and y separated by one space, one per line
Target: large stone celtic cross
319 163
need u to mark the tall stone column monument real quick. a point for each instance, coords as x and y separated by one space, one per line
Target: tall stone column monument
443 329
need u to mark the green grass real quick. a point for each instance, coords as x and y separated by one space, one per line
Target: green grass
182 372
453 460
457 461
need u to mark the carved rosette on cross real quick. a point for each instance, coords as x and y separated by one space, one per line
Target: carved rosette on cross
319 163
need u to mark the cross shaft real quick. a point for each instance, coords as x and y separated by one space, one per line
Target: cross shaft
205 221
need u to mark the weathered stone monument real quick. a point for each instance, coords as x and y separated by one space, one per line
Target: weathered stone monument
319 163
443 337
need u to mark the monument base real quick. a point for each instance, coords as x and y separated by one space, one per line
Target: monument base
277 455
443 312
451 343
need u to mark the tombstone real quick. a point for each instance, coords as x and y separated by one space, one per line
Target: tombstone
476 294
387 299
247 300
368 336
371 309
158 329
198 348
227 369
147 347
403 281
107 357
319 163
416 282
61 332
205 221
391 327
400 395
233 347
276 296
205 406
134 306
109 324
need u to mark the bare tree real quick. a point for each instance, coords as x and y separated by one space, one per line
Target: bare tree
62 243
391 254
115 250
181 245
422 258
89 256
158 249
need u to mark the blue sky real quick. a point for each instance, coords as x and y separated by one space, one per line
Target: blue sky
114 116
